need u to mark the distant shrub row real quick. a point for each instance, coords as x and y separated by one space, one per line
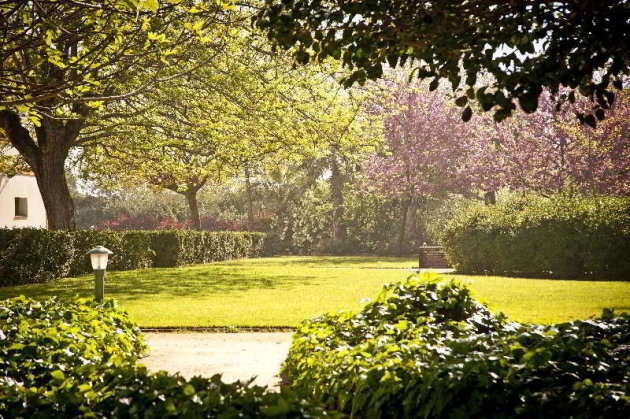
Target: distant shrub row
429 350
34 255
538 237
78 360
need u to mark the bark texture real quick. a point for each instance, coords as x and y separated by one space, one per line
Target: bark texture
47 157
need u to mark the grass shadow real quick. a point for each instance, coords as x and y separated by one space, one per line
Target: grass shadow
179 282
327 261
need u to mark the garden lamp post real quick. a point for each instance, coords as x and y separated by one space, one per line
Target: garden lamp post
98 257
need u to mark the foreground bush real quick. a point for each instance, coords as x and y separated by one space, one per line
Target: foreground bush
35 255
66 360
430 350
538 237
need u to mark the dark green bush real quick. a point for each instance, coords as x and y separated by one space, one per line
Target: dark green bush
559 237
34 255
430 350
185 247
78 359
132 249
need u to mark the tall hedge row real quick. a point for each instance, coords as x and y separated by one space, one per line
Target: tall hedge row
556 237
34 255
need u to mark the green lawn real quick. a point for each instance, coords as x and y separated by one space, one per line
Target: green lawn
286 290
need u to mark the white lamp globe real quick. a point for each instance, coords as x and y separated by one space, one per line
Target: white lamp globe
99 256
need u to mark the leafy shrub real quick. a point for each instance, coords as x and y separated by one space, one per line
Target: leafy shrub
559 237
132 249
34 255
130 391
78 359
426 349
49 349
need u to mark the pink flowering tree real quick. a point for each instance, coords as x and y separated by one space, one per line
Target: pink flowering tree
429 152
426 148
549 151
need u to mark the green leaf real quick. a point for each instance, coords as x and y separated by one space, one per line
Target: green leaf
58 375
188 390
151 5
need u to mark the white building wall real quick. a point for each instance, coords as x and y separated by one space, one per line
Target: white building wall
21 186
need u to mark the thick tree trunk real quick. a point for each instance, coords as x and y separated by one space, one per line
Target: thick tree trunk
47 157
337 181
193 206
403 226
51 180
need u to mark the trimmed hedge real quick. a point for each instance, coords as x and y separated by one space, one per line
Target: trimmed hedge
185 247
427 349
78 359
35 255
555 237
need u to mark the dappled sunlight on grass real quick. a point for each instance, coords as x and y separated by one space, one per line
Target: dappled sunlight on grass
284 291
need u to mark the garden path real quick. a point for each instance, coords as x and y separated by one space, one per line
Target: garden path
237 356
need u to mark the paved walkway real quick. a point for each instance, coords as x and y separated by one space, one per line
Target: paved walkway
237 356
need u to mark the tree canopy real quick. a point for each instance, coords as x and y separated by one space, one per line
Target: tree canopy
226 118
494 53
62 60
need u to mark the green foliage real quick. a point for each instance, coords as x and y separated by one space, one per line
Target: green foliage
34 255
427 349
187 247
52 353
78 359
493 55
312 221
560 237
132 250
371 222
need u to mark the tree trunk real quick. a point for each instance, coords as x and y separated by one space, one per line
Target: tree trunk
413 218
403 226
47 157
337 181
51 180
490 198
193 206
250 201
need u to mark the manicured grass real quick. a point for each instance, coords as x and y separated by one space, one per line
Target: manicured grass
286 290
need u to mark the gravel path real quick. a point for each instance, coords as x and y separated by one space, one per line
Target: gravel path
237 356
